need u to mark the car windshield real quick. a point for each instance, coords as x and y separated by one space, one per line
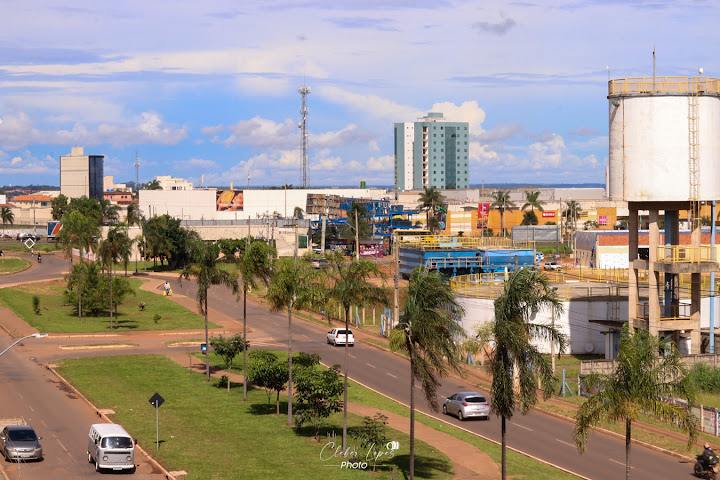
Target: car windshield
475 399
22 435
116 442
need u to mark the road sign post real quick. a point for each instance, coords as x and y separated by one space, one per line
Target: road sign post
156 400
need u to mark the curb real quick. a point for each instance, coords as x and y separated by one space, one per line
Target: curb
104 417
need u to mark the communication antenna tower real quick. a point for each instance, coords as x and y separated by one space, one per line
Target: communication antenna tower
304 90
137 165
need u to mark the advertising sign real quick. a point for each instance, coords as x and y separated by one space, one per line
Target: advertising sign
53 228
548 214
229 200
482 217
371 250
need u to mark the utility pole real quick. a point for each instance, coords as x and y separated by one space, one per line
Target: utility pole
137 177
396 306
357 238
324 222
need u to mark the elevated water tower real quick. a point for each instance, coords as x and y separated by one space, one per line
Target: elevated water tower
665 156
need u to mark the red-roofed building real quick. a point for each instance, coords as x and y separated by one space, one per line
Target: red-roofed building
32 201
119 198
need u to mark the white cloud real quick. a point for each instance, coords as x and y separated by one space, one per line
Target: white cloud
372 104
381 163
262 132
373 146
26 164
212 130
198 164
468 112
348 135
263 85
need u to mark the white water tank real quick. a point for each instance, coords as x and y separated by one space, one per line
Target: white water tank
650 138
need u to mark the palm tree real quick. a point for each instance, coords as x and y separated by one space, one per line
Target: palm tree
501 203
203 266
152 185
134 215
531 200
254 263
516 362
115 247
640 380
429 200
427 332
351 285
82 232
293 285
7 216
298 212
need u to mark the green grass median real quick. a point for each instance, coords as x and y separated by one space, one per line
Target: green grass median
10 265
56 317
211 433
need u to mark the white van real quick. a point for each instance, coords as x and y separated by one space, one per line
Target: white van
111 447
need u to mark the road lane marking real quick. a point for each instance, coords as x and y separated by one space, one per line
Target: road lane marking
526 428
31 408
566 443
370 365
43 422
390 375
619 463
351 355
63 446
21 397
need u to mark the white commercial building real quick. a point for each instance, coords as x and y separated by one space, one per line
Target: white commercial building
81 175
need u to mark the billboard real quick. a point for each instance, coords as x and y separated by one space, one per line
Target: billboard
229 200
482 216
548 214
53 228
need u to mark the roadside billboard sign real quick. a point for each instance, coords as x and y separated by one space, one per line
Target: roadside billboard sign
229 200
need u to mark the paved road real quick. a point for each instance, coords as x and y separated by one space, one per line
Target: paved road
536 434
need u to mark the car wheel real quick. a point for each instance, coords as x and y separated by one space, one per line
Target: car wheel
327 340
460 415
132 470
89 457
444 410
97 465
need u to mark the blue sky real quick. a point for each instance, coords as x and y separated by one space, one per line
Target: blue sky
210 88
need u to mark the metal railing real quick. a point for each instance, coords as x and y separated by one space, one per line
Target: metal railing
428 242
641 85
685 254
679 311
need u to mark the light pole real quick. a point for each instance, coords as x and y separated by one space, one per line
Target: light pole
36 335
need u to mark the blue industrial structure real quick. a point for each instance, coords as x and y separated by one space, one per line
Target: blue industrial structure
383 217
462 261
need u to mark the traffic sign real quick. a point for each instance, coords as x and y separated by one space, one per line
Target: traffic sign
156 400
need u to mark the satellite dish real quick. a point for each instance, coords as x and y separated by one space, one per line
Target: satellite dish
589 347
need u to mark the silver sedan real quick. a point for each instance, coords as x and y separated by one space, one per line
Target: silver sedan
467 404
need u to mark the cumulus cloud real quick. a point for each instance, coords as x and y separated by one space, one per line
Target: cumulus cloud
348 135
262 132
468 112
499 29
18 130
583 131
386 162
500 133
211 130
25 163
372 104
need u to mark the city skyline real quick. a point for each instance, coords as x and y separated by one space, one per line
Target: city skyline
212 90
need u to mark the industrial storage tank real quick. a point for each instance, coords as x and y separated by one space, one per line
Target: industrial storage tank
664 139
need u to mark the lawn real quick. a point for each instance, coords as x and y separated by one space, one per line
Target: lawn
519 466
12 245
56 317
11 265
210 433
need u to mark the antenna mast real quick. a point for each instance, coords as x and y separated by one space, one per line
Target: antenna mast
304 90
137 165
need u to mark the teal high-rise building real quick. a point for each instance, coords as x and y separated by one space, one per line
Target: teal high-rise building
431 152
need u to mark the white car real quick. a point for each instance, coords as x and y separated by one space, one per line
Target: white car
340 336
552 265
467 404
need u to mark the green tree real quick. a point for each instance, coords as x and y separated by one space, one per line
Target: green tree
7 216
351 284
531 200
79 231
204 268
110 251
640 380
298 212
254 264
529 218
152 185
372 434
516 361
427 332
293 285
357 209
317 394
430 200
228 348
134 216
502 202
266 371
60 206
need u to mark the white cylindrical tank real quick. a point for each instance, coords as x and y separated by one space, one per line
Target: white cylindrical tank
650 146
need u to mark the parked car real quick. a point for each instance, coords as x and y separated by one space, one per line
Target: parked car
340 336
319 263
24 236
552 265
467 404
19 442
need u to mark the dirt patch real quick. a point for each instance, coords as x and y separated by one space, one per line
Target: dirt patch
51 288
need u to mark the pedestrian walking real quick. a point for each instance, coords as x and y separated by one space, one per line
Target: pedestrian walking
167 288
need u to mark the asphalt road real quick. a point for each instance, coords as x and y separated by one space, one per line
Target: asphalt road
535 434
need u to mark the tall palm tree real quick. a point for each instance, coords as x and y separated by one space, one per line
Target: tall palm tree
152 185
502 202
7 216
82 232
531 200
203 267
350 284
640 379
293 285
429 200
516 361
428 332
253 264
111 250
134 215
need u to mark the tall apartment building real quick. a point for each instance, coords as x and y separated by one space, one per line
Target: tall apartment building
81 174
431 152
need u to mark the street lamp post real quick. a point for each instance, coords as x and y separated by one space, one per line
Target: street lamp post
36 335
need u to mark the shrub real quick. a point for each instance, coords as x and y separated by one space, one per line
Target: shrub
156 318
142 306
36 304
